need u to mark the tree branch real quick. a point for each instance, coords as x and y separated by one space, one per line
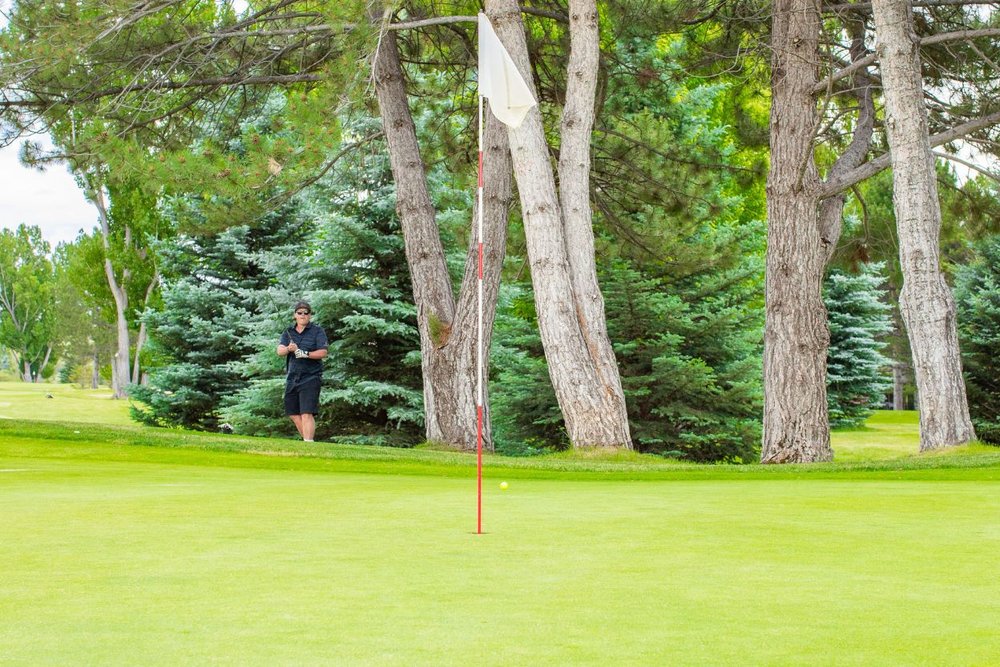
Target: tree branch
971 165
866 7
837 185
955 36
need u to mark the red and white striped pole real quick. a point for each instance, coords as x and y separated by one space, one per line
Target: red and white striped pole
479 339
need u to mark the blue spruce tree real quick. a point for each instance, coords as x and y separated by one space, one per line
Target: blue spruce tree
857 371
977 293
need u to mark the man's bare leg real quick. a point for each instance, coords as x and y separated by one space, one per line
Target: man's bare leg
308 426
298 423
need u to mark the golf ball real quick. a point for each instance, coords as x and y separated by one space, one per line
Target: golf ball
503 485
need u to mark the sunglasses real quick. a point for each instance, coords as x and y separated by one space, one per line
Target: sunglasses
302 312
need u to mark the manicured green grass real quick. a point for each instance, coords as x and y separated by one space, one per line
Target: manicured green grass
886 435
128 545
123 544
69 403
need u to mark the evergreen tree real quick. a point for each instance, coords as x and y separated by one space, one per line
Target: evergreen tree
352 269
680 263
977 293
857 379
201 327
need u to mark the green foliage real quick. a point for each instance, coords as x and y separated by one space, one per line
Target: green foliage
85 335
977 296
856 368
351 266
201 327
680 263
27 279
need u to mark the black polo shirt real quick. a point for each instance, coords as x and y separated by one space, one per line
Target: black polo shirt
311 339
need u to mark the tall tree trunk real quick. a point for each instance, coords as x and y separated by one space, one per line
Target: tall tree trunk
831 212
926 302
574 195
120 365
577 351
95 378
140 339
26 371
45 361
447 331
796 336
898 381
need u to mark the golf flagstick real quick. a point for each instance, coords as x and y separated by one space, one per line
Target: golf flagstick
510 100
479 338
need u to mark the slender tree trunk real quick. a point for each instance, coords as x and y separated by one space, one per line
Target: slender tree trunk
831 212
95 378
574 195
898 382
120 364
140 339
577 352
26 371
447 330
796 336
45 361
926 302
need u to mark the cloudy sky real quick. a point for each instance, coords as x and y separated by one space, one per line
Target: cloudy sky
49 199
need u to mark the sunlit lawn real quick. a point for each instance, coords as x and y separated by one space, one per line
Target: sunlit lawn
69 403
142 546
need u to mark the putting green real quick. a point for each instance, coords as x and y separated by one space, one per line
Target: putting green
159 556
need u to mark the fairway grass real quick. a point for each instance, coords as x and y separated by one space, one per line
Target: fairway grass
123 545
60 403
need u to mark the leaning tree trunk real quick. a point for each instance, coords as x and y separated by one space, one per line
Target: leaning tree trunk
926 302
141 337
574 193
447 331
591 399
796 336
95 377
120 363
898 383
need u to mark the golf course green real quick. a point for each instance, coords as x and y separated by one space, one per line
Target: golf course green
127 545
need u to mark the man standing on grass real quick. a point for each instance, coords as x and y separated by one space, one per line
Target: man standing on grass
303 345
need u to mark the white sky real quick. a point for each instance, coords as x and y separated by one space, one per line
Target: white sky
50 199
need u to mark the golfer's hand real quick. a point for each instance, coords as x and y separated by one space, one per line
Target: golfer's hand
292 347
301 354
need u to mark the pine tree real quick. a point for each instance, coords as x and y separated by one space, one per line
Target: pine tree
680 264
201 327
857 371
352 269
977 296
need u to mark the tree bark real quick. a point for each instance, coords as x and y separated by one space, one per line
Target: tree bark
447 331
140 339
831 213
45 362
574 194
577 351
796 336
898 382
120 362
926 302
95 378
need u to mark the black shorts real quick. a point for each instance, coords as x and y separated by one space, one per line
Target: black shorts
302 395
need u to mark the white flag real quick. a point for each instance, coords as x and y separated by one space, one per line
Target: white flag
499 81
